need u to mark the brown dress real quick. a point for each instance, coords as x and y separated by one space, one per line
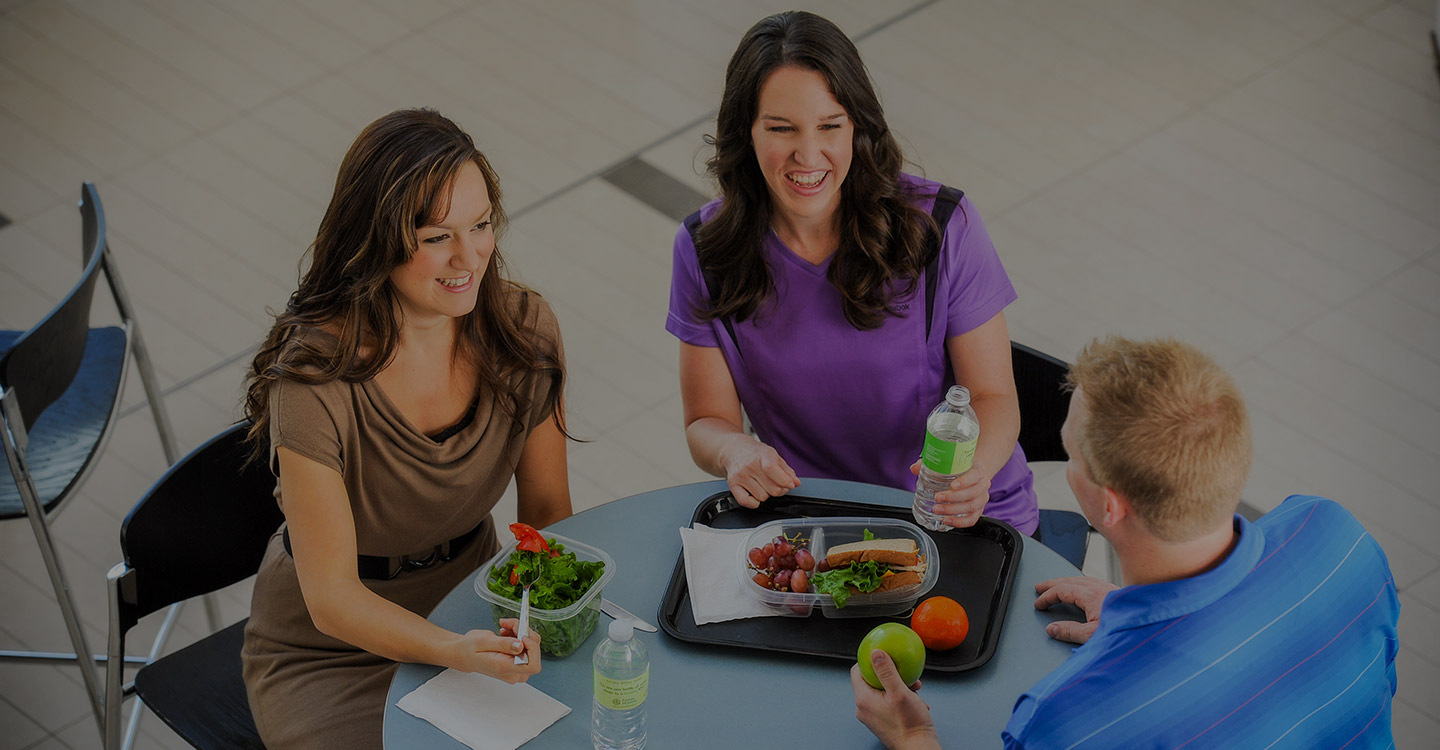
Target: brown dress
408 493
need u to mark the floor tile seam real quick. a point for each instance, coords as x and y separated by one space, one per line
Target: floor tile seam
514 130
1198 107
563 114
61 93
1259 360
61 147
299 51
1320 124
1370 287
1325 83
1165 260
1390 333
181 219
1426 709
682 129
47 592
1419 579
1422 537
191 380
1338 175
1360 24
1428 399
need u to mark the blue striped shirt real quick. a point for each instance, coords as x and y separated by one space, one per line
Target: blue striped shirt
1288 643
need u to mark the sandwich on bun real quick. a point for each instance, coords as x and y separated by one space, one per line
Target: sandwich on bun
869 566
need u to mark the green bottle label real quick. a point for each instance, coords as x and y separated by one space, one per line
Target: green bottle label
945 457
622 695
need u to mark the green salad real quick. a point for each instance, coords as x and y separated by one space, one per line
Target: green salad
563 580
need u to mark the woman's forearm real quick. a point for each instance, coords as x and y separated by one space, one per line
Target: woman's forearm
999 429
709 438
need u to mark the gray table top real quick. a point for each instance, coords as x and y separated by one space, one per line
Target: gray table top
713 696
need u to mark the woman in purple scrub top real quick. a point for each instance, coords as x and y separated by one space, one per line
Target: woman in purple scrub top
801 293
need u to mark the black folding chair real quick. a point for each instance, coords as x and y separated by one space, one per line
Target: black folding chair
60 387
203 526
1044 402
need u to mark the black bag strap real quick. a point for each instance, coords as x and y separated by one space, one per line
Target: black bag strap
692 225
945 202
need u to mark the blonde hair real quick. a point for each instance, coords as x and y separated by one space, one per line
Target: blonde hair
1166 427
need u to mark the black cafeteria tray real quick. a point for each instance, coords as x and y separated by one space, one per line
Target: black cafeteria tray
977 569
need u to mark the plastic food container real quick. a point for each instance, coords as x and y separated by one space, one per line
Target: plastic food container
822 534
562 631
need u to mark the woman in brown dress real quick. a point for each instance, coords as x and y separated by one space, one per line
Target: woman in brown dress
403 386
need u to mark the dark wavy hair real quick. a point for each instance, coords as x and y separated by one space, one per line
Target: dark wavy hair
395 178
882 235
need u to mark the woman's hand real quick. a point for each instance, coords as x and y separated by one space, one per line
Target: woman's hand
755 472
494 654
962 504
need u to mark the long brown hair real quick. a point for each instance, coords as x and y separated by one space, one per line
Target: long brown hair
395 178
882 235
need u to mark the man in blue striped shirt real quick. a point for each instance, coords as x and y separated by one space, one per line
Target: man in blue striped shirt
1279 633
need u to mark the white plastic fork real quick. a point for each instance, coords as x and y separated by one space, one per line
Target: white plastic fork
523 629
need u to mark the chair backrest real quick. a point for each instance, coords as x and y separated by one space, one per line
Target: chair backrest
1044 402
203 526
43 362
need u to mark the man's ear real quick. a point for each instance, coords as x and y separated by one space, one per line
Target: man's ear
1117 508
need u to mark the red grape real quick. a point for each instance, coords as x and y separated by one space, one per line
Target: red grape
782 579
782 548
799 582
823 565
768 549
761 579
757 557
803 558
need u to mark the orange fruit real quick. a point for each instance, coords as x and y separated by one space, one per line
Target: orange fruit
941 623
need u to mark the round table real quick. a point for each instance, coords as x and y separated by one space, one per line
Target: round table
709 696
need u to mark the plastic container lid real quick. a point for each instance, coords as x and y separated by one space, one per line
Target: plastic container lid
824 533
562 631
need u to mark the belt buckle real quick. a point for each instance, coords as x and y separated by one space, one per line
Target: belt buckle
441 553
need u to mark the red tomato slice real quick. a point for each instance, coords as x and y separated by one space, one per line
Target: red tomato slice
529 539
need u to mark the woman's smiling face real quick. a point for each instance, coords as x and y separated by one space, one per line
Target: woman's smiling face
451 255
804 142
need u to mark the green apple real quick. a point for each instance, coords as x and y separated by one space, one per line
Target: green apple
901 643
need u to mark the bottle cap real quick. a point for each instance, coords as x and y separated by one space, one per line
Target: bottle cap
958 396
621 630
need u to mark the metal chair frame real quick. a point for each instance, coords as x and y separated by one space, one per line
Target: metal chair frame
182 540
19 411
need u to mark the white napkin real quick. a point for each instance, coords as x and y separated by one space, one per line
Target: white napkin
481 711
715 591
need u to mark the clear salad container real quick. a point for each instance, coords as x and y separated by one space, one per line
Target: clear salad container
820 534
562 631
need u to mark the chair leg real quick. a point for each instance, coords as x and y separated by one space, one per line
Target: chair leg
84 656
142 359
155 396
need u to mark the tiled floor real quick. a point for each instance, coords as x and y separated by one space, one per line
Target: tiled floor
1261 178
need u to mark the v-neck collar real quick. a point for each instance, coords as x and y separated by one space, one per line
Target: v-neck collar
784 251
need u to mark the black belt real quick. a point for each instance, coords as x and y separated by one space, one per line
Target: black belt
384 568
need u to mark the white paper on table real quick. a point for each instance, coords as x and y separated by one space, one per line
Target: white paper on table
481 711
716 594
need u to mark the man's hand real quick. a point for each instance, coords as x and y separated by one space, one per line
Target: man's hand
896 715
1084 592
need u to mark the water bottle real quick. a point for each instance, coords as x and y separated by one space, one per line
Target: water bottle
951 432
622 680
